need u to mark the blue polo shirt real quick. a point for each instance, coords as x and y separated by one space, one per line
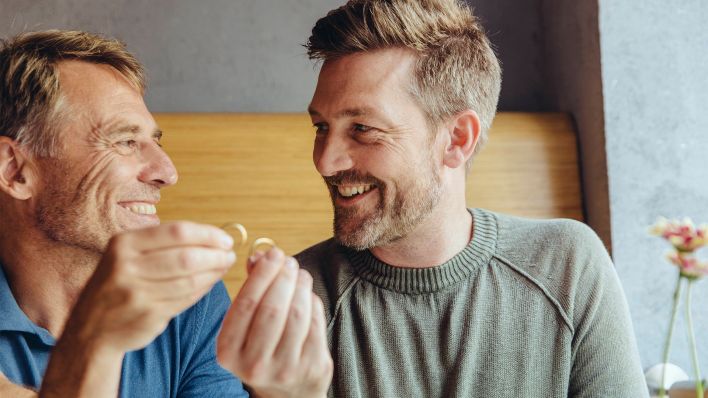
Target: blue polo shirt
181 362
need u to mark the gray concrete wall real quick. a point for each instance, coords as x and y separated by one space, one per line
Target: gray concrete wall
655 79
206 56
246 55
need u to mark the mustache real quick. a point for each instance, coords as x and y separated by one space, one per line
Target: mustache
352 177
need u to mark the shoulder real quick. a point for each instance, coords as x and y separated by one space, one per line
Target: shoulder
542 244
564 259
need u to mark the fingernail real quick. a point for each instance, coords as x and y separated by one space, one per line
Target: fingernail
291 264
226 240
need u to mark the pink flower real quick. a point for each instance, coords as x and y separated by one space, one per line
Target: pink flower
683 235
686 239
688 264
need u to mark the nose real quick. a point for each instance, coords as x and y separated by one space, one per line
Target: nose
331 155
159 169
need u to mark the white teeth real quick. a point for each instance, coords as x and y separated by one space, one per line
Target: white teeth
353 190
143 209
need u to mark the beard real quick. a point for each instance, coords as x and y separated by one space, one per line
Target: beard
68 225
395 215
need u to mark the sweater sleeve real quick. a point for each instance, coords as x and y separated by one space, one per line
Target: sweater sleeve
604 352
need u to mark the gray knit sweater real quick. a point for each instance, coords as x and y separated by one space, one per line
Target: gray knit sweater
527 309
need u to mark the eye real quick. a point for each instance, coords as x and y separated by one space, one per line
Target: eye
128 144
126 147
366 134
361 128
320 128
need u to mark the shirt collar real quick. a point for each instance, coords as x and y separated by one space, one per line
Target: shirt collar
12 317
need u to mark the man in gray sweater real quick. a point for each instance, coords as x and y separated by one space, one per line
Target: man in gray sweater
424 297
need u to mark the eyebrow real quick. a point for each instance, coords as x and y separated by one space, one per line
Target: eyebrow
349 112
134 130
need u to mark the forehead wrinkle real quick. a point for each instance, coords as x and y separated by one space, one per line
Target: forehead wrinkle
357 112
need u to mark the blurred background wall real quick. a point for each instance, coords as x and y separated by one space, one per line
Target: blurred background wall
633 75
655 79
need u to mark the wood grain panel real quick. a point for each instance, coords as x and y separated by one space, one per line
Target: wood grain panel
257 169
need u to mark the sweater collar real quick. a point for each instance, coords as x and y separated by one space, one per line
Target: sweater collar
475 255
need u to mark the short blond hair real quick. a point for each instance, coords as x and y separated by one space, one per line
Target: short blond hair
456 68
30 98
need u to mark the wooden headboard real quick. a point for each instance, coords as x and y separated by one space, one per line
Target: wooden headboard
256 169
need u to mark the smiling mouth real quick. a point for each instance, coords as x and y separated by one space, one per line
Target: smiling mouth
141 208
350 191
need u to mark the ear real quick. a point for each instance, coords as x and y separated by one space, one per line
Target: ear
464 131
16 179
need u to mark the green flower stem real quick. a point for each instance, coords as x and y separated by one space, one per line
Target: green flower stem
692 341
667 345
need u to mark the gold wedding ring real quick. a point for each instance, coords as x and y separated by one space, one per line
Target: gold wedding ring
261 242
240 235
236 230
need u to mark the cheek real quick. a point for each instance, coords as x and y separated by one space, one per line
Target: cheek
398 159
317 150
108 175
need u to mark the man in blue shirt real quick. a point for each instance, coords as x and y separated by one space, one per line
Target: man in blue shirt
138 305
179 362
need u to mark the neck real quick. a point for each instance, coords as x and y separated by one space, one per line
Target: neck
45 277
439 237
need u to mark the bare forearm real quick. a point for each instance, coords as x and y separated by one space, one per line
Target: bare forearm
7 389
81 370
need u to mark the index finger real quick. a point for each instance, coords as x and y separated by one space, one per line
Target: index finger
238 318
174 234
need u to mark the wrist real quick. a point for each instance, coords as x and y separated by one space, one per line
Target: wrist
87 346
82 368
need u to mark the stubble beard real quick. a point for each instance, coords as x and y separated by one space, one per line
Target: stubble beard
393 218
68 227
67 217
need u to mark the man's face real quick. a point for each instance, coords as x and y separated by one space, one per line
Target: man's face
110 168
373 147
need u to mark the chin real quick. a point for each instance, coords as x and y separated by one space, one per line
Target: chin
358 234
132 226
128 221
